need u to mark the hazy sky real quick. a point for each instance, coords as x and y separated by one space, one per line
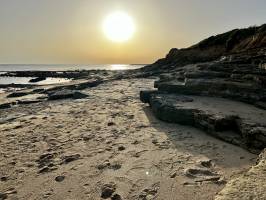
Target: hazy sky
70 31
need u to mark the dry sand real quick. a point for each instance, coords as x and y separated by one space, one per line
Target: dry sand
70 149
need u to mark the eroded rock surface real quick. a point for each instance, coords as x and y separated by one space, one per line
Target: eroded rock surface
219 86
251 184
232 121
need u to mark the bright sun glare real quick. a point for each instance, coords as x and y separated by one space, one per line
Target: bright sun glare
118 27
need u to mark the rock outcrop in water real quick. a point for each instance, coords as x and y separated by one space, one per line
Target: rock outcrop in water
219 86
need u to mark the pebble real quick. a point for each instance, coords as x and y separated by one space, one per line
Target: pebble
116 197
121 148
173 175
71 158
3 178
108 190
110 124
59 178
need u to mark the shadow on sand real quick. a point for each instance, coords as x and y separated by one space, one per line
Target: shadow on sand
199 144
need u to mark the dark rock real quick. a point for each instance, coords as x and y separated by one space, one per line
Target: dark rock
17 94
87 137
103 165
110 124
116 197
38 79
3 196
108 165
115 166
89 84
71 158
59 178
173 175
196 172
4 178
5 105
234 42
146 95
218 119
66 94
26 102
108 190
206 163
38 90
45 160
121 148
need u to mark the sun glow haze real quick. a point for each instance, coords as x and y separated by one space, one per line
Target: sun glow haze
119 27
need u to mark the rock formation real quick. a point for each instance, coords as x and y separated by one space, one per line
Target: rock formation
219 86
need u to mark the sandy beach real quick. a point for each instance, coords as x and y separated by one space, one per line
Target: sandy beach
110 145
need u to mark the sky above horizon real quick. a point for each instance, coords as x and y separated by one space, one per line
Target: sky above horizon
67 31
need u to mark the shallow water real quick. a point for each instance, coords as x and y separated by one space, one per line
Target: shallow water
25 80
66 67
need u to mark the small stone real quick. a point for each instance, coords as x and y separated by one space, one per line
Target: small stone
43 170
108 190
135 142
3 196
115 166
13 163
103 165
154 141
121 148
206 163
116 197
71 158
87 137
59 178
173 175
110 124
3 178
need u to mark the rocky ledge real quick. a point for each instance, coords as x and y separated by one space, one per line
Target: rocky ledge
218 91
218 97
232 121
219 86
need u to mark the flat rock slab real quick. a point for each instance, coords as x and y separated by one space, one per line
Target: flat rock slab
235 122
66 94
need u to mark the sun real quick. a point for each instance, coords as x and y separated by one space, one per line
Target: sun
119 27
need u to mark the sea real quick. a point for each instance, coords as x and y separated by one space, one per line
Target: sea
55 67
66 67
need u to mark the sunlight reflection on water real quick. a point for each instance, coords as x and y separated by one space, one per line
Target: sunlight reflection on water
119 67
